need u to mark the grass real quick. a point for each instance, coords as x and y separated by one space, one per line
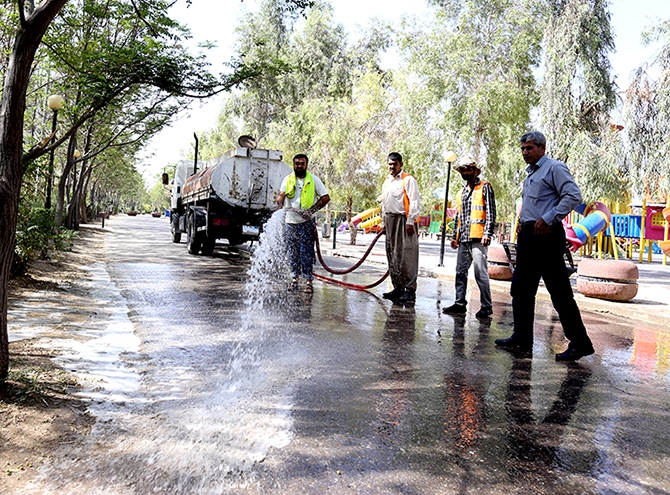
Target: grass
31 384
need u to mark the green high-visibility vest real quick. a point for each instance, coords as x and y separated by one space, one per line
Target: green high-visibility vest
307 194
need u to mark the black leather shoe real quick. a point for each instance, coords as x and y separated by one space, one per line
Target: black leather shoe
573 354
484 313
515 343
394 294
407 298
455 309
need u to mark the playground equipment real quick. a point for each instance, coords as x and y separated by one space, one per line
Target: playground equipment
436 216
648 230
665 244
370 218
374 222
596 219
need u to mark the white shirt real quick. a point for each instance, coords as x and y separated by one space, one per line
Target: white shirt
393 196
294 202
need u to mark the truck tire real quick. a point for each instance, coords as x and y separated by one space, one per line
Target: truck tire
174 228
207 248
193 241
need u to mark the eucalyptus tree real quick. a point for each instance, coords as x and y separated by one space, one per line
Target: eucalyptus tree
222 137
304 101
578 94
296 61
647 119
472 69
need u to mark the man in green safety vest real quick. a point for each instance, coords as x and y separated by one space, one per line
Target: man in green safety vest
302 194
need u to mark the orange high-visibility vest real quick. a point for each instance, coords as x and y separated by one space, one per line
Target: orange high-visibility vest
477 212
405 198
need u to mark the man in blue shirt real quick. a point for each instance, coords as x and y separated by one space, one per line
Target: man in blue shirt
549 193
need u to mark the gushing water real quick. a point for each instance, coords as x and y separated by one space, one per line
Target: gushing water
267 274
265 284
206 404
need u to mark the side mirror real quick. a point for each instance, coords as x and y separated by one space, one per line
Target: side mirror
165 179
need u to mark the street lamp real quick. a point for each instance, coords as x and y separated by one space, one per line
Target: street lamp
449 157
55 103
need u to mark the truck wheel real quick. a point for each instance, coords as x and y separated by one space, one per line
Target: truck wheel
174 228
208 247
193 241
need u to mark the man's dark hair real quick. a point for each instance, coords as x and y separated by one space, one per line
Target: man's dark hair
534 137
394 156
301 155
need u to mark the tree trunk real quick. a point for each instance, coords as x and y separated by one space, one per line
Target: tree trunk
85 178
62 183
12 110
352 228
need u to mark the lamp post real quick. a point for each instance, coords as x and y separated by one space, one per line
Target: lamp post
55 103
450 157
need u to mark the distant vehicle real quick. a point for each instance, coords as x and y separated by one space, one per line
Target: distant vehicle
230 198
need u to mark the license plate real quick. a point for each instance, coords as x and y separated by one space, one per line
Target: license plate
250 230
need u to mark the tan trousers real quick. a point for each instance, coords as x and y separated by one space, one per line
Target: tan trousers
402 252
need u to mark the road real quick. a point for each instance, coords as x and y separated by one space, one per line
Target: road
206 380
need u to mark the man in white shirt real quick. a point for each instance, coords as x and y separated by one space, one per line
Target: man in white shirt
400 216
302 194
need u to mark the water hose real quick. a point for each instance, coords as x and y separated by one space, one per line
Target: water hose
346 270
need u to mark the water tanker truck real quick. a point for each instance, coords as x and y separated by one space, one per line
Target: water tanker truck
230 198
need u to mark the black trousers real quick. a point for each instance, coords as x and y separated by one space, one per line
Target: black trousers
542 257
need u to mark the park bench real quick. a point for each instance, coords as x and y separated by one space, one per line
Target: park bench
510 250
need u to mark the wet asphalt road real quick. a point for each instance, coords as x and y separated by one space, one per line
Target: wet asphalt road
340 392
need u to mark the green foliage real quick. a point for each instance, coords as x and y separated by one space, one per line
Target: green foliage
36 233
159 198
647 114
469 86
222 137
578 95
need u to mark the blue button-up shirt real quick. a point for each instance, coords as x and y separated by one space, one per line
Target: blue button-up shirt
549 192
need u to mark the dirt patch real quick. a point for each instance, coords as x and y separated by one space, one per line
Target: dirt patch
38 411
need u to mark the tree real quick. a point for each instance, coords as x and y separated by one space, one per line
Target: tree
32 26
578 95
346 138
647 118
471 70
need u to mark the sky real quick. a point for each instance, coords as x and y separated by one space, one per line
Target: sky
215 20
